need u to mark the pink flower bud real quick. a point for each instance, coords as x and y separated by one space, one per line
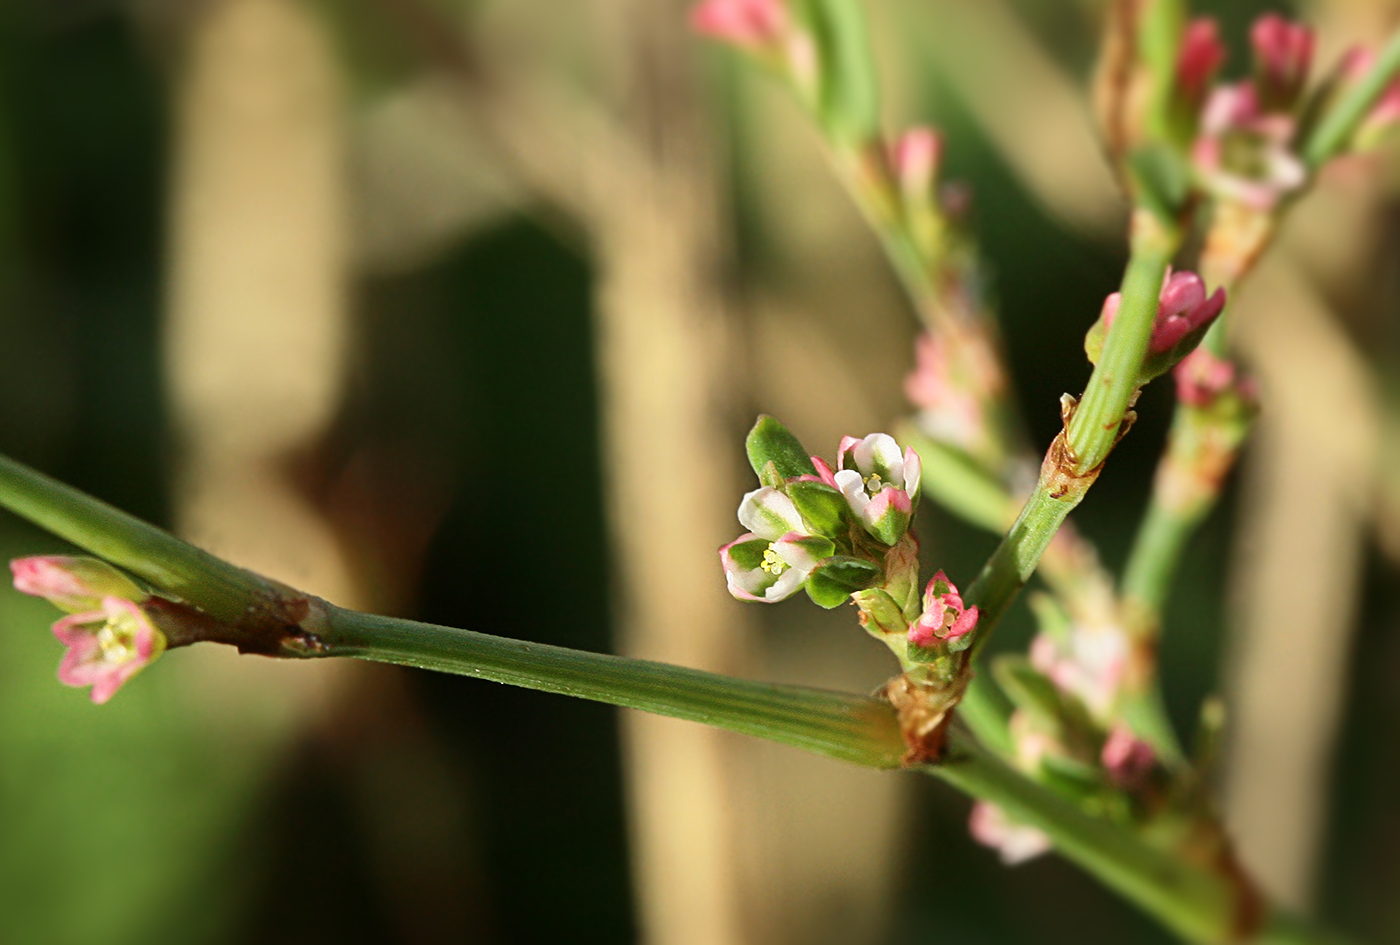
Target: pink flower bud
945 617
72 584
1201 377
1200 56
745 23
916 156
1183 308
1282 56
106 647
1127 758
1016 843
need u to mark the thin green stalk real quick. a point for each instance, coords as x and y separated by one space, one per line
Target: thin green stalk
152 554
1156 552
1094 428
852 728
1015 559
1341 121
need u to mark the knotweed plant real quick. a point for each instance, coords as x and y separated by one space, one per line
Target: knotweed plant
1065 747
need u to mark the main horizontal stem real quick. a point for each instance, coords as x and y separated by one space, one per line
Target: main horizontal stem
848 727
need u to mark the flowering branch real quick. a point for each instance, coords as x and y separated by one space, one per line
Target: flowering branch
1197 901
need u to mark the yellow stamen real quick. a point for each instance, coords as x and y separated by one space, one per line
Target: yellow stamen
773 564
118 638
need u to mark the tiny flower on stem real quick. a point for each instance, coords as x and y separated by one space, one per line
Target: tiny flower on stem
915 158
108 636
880 485
948 411
1202 377
945 617
1016 842
1244 153
1127 758
1183 308
772 560
107 647
748 24
1199 58
1282 57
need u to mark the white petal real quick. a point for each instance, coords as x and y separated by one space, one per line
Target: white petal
878 452
795 556
769 514
852 486
786 585
913 472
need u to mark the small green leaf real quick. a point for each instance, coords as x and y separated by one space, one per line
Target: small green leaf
771 444
823 508
833 581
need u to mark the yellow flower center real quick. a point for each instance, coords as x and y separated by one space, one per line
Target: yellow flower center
118 638
773 564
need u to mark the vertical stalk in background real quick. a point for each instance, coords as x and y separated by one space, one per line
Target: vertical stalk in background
662 368
256 323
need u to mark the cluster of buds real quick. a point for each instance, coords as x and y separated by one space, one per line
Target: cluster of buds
1184 313
109 636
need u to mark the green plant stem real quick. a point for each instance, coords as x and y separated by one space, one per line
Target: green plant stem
1094 428
852 728
1345 116
1014 560
152 554
1156 553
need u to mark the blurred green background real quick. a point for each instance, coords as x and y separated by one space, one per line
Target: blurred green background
450 463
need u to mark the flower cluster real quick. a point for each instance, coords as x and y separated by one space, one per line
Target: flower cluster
109 637
830 531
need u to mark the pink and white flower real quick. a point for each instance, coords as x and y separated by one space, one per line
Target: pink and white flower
771 561
1183 307
1244 152
880 484
106 647
945 616
108 636
1016 842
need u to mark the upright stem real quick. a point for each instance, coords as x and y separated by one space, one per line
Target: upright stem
1340 121
1096 423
